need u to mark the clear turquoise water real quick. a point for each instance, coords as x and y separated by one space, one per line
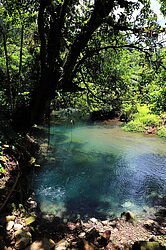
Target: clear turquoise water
100 171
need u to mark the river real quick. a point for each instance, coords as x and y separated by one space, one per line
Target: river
100 171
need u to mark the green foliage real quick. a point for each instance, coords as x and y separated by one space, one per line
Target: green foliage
2 170
163 7
145 116
17 17
141 119
162 132
134 126
128 109
111 67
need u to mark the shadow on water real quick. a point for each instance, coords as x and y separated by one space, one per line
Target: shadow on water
86 182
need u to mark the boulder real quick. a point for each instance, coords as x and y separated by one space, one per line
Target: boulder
129 216
17 226
9 225
148 245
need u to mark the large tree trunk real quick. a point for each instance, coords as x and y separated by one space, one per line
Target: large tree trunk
9 87
54 73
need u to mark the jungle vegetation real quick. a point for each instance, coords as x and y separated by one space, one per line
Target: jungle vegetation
86 54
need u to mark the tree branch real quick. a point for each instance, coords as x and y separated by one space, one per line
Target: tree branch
91 92
91 53
101 9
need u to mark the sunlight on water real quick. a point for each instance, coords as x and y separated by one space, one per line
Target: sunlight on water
101 171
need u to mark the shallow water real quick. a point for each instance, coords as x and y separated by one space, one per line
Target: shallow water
100 171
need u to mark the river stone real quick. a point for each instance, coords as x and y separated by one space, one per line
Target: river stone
45 244
9 225
10 217
17 226
147 245
32 204
99 226
127 205
82 235
129 216
105 222
94 220
149 222
61 245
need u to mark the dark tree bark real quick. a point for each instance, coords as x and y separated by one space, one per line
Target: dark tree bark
9 88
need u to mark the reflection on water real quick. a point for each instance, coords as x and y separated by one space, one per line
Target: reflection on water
101 171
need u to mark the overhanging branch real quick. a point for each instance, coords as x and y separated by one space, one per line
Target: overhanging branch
91 53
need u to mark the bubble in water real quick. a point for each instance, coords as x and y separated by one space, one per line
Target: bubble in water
51 193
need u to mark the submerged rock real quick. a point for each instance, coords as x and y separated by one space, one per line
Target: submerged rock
129 216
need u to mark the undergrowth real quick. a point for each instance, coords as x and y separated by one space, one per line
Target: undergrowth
162 132
142 119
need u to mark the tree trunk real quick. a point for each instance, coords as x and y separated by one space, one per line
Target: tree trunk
9 89
20 62
52 77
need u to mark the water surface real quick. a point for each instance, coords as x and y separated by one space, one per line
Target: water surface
100 171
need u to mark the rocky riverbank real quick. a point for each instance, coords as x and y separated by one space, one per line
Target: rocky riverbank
27 230
24 226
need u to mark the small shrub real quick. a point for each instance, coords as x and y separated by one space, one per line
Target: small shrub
135 126
150 119
162 132
141 119
145 117
128 110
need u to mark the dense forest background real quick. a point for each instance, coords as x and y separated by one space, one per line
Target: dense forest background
90 55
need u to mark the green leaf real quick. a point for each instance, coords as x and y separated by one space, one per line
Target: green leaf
30 220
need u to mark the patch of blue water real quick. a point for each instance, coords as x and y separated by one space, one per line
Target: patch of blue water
100 172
